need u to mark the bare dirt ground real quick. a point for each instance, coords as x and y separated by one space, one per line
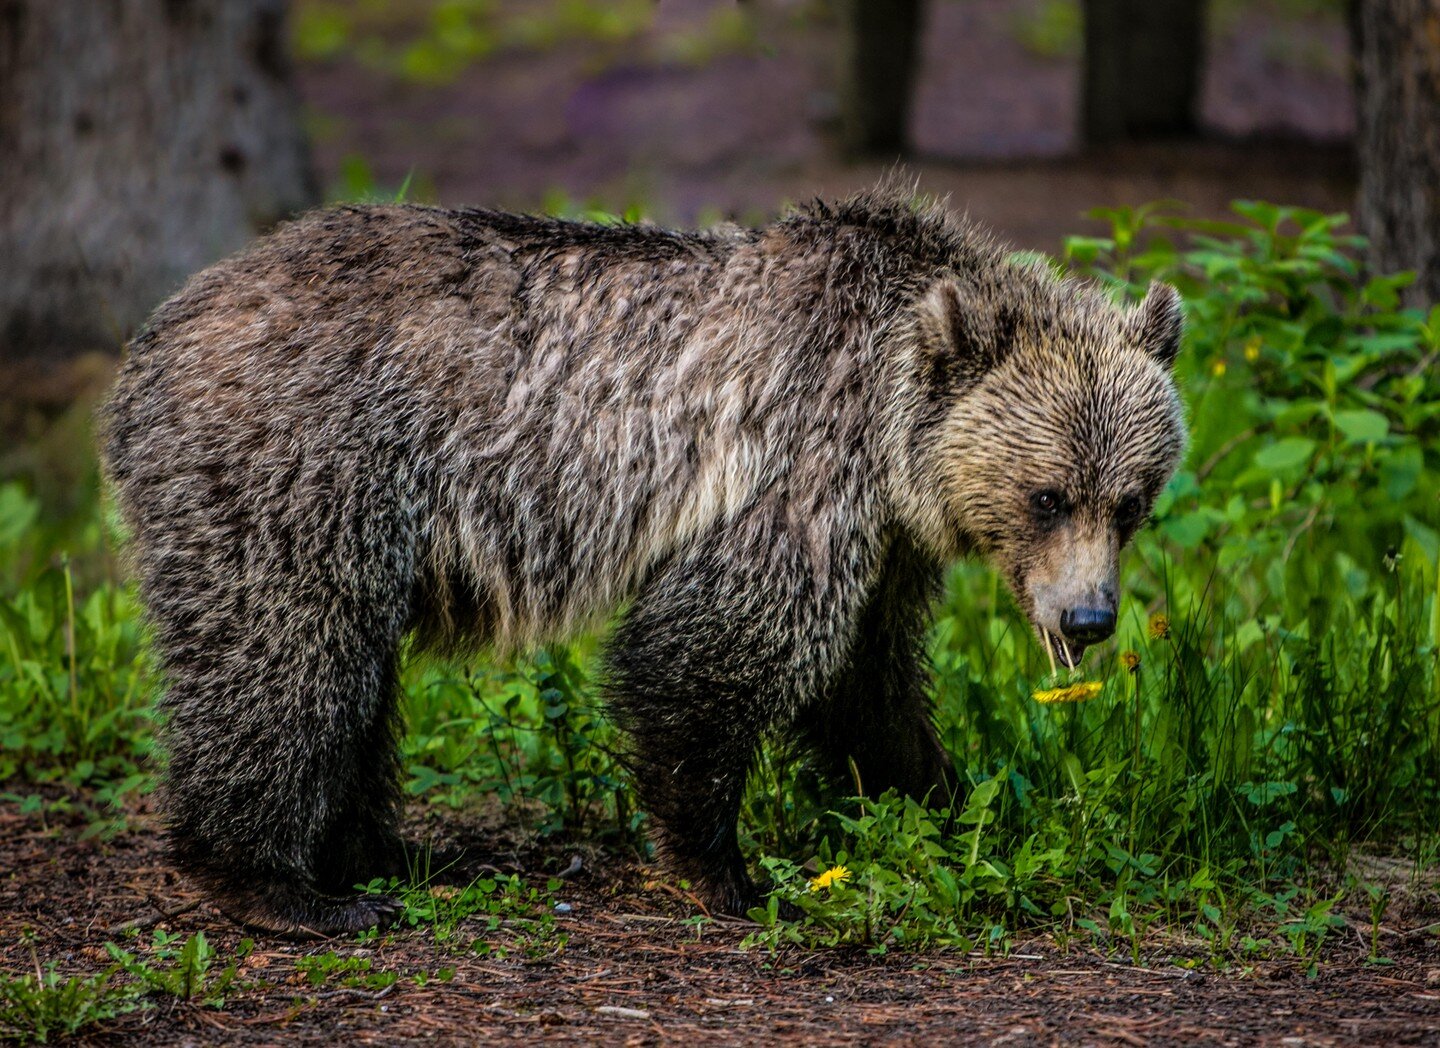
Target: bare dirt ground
632 972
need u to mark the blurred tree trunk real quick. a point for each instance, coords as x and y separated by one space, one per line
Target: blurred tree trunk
1141 77
139 140
880 53
1397 91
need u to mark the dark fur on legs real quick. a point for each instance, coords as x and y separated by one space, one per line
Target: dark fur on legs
319 818
704 664
877 713
280 638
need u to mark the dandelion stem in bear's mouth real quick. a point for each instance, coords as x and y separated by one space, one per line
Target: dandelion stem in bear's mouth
1049 651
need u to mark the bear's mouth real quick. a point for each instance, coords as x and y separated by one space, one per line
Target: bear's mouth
1065 652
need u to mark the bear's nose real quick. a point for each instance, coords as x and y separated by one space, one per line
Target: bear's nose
1087 625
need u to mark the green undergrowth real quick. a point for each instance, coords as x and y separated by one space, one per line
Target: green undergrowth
491 917
437 43
1269 711
43 1005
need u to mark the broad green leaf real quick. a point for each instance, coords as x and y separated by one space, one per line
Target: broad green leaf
1362 425
1187 530
1424 536
1285 454
1400 472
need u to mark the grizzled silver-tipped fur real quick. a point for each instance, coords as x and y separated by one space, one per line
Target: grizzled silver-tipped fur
479 427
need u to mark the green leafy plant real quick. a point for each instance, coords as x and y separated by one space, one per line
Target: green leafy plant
531 733
349 971
75 685
186 972
509 914
896 881
36 1006
1314 398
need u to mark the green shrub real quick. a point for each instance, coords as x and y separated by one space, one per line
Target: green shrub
529 732
1314 398
183 970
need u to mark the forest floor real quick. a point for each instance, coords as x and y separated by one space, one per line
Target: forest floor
628 964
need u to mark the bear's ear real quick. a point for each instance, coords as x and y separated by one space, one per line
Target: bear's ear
1156 324
963 336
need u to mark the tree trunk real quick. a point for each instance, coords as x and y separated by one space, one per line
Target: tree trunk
1397 81
139 140
1142 69
880 52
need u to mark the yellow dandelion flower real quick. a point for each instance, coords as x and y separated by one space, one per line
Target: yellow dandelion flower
1130 660
831 877
1252 348
1218 369
1159 626
1070 693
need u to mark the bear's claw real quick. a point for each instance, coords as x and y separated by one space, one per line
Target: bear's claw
318 916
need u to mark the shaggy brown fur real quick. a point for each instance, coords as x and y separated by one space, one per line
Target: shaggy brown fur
489 428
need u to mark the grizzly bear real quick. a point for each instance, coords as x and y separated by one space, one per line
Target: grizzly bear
474 427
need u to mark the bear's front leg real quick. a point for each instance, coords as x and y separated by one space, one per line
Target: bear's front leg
690 764
875 720
720 646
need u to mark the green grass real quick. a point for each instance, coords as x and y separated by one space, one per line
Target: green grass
1286 716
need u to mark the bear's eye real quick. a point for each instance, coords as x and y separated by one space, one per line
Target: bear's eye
1047 505
1127 513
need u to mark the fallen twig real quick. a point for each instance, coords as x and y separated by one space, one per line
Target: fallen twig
141 923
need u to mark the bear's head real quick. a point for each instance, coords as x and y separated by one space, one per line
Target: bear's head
1051 423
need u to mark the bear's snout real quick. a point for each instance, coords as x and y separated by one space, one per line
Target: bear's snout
1087 625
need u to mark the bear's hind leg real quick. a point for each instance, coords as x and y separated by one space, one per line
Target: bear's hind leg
363 841
280 728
